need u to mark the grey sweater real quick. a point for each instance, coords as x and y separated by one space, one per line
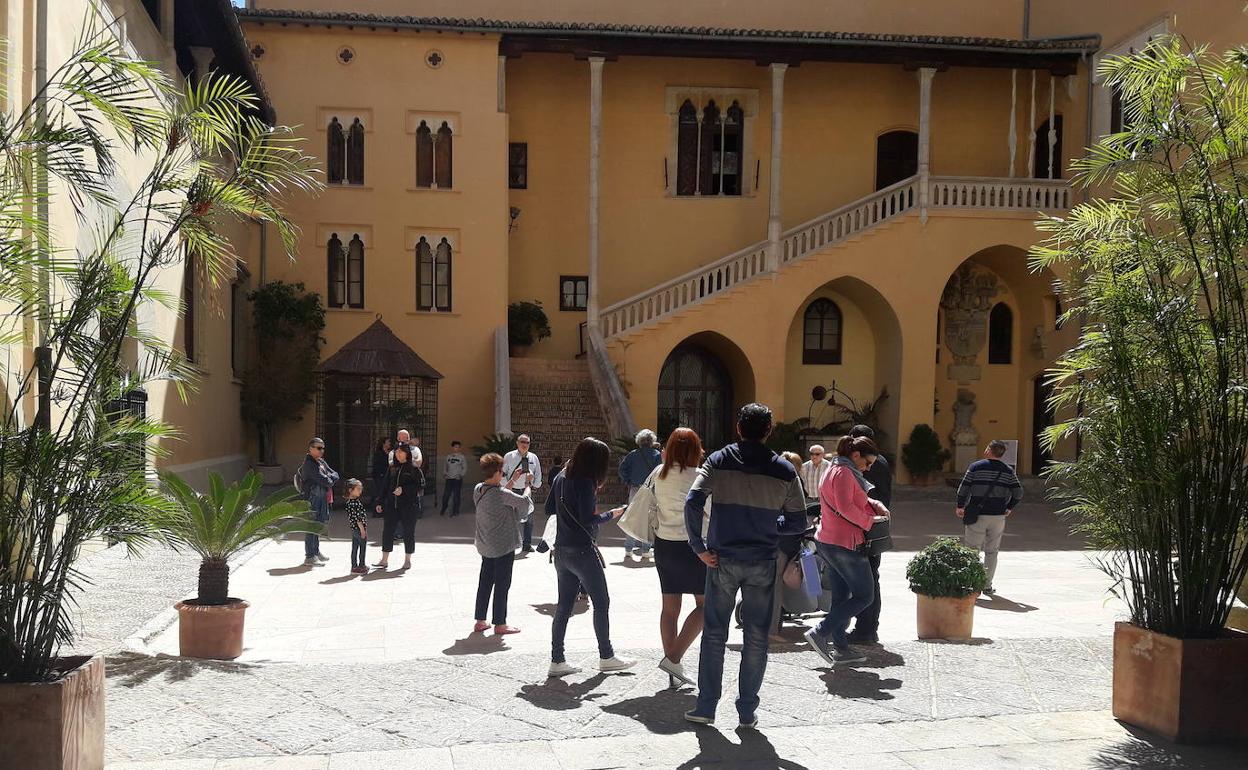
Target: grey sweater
499 515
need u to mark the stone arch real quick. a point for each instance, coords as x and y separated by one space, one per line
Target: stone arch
870 358
703 381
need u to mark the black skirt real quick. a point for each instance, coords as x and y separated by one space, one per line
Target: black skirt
680 569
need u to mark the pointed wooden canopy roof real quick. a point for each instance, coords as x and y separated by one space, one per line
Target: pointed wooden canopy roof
378 352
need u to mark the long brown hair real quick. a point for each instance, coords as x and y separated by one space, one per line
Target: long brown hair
684 448
860 444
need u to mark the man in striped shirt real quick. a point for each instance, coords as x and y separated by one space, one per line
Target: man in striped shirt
986 497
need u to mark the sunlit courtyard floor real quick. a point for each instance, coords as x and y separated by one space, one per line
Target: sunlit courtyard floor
382 671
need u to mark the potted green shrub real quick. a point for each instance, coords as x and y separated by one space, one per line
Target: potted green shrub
526 325
152 172
947 576
281 377
923 455
217 525
498 443
1157 271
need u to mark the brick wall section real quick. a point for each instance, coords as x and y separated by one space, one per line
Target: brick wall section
553 401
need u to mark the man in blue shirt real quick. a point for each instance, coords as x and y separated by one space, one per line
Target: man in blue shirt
755 497
634 470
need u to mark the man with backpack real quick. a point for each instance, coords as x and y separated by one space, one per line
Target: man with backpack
314 480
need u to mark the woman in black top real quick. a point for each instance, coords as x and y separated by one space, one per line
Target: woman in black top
379 468
404 484
573 500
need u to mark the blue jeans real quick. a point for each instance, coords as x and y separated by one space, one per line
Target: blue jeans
853 590
574 568
630 543
756 580
359 544
320 512
451 491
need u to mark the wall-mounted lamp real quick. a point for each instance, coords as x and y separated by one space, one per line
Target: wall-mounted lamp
513 214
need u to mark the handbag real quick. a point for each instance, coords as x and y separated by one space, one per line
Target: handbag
811 583
637 521
876 540
792 575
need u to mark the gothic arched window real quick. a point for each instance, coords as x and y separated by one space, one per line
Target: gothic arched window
687 150
335 152
355 153
355 272
433 275
442 276
821 333
442 158
708 137
726 163
1000 334
424 155
336 259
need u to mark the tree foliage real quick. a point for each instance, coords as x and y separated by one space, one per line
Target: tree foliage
923 454
281 378
1157 268
69 475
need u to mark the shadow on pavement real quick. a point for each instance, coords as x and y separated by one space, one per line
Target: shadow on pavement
662 713
134 669
283 571
754 751
340 579
548 609
634 563
476 644
1145 750
849 682
555 694
999 602
378 573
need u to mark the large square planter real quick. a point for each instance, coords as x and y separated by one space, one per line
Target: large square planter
55 725
1186 690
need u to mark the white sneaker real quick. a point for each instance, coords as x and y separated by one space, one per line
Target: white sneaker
562 669
615 663
675 671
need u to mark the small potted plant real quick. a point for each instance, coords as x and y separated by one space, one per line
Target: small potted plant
948 577
923 455
526 325
217 526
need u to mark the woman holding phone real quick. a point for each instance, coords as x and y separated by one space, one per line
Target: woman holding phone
578 562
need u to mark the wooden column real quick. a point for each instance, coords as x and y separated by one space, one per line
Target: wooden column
777 138
502 84
1031 131
925 136
1013 143
595 140
1052 125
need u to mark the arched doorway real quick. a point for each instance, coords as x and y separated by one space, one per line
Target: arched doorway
695 391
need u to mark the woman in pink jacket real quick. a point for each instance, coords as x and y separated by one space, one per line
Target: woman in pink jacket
846 515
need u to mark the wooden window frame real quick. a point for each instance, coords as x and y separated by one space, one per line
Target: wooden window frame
427 276
822 356
335 272
517 170
572 306
354 284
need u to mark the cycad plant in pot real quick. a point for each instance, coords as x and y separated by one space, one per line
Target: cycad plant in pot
948 577
1157 273
140 173
218 525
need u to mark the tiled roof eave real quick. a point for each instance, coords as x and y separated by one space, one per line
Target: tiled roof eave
1075 45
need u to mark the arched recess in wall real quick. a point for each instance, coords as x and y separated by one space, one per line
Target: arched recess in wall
1001 334
896 157
869 363
702 383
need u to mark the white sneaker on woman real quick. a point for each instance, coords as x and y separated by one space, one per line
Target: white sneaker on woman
562 669
675 671
615 663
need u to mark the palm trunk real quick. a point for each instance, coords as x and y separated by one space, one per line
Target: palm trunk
214 581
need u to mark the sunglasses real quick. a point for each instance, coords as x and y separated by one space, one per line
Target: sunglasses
319 448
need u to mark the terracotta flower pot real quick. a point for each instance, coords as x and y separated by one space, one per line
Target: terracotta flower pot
211 631
943 617
1186 690
55 725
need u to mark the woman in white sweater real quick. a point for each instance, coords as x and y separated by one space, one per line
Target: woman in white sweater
680 570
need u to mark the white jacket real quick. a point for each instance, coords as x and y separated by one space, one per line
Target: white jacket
670 494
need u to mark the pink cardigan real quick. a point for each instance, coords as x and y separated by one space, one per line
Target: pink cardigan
840 491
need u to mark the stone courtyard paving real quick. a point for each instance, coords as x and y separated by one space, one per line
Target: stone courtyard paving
380 672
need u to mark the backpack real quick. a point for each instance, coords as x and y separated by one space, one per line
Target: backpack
297 481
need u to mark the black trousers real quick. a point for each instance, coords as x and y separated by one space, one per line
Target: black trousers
869 619
451 490
394 515
495 578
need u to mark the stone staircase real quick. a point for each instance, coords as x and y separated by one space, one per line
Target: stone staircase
553 401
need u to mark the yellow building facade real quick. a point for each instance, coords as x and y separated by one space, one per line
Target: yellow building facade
709 214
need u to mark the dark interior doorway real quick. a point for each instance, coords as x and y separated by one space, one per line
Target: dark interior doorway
695 391
1042 418
896 157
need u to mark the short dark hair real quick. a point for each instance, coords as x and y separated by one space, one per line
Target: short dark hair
456 443
754 421
589 461
862 431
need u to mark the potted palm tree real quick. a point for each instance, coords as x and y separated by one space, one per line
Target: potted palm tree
152 171
947 576
1157 270
218 525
